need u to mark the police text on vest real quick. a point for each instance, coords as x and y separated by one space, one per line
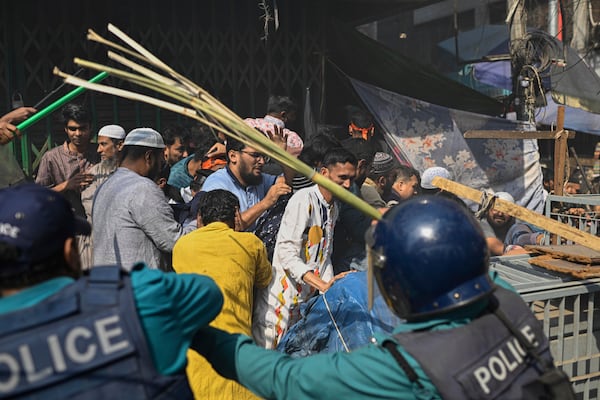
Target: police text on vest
503 361
42 358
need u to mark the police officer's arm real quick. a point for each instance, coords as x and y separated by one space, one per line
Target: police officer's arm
172 308
369 372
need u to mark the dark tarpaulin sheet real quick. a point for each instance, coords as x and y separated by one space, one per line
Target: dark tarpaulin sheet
365 59
338 320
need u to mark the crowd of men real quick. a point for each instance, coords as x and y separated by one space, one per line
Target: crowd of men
171 265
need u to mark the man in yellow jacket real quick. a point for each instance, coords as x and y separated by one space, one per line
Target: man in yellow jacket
238 263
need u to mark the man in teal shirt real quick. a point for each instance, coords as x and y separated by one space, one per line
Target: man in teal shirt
430 260
109 334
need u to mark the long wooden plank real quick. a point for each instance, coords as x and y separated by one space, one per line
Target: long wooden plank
475 134
548 224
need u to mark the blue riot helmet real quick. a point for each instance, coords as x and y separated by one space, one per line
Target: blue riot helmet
429 256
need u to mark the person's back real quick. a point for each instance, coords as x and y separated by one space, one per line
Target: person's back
101 336
132 220
237 261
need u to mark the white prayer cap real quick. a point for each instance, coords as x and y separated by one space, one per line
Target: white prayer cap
505 196
146 137
112 131
431 173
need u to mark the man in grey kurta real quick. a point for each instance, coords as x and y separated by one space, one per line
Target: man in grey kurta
132 220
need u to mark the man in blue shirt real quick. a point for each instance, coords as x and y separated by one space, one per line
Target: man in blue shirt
243 176
108 334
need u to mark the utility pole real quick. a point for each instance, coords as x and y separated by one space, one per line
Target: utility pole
581 26
517 22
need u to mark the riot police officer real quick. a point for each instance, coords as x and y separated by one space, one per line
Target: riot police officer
467 334
107 334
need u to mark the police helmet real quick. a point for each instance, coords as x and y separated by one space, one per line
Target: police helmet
429 256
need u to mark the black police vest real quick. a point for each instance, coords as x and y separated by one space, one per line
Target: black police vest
481 360
84 342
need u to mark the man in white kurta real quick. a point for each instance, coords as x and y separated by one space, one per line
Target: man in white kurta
302 257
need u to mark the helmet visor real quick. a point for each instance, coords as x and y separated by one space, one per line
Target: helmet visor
389 294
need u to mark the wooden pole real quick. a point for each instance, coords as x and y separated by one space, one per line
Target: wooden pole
560 152
522 213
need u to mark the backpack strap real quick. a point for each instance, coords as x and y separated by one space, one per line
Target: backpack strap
408 370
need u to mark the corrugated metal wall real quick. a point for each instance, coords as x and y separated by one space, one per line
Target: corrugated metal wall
218 44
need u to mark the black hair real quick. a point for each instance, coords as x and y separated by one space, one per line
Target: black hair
203 144
198 134
338 155
315 149
277 104
174 131
359 117
218 206
405 172
362 149
77 113
40 271
234 144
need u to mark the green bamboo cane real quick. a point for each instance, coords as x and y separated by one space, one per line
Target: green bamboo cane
45 112
58 103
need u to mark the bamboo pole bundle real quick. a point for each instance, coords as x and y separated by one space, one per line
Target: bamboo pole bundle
194 102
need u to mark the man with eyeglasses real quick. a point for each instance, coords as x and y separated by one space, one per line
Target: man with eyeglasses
257 191
64 169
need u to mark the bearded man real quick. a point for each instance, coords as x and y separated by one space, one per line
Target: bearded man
257 191
132 220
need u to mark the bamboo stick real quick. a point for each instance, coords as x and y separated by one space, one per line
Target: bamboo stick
206 108
58 103
522 213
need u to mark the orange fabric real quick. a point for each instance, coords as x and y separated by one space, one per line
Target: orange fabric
212 163
366 133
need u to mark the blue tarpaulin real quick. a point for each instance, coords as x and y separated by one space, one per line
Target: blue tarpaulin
338 320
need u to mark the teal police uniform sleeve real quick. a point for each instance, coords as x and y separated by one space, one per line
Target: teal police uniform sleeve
172 307
369 372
